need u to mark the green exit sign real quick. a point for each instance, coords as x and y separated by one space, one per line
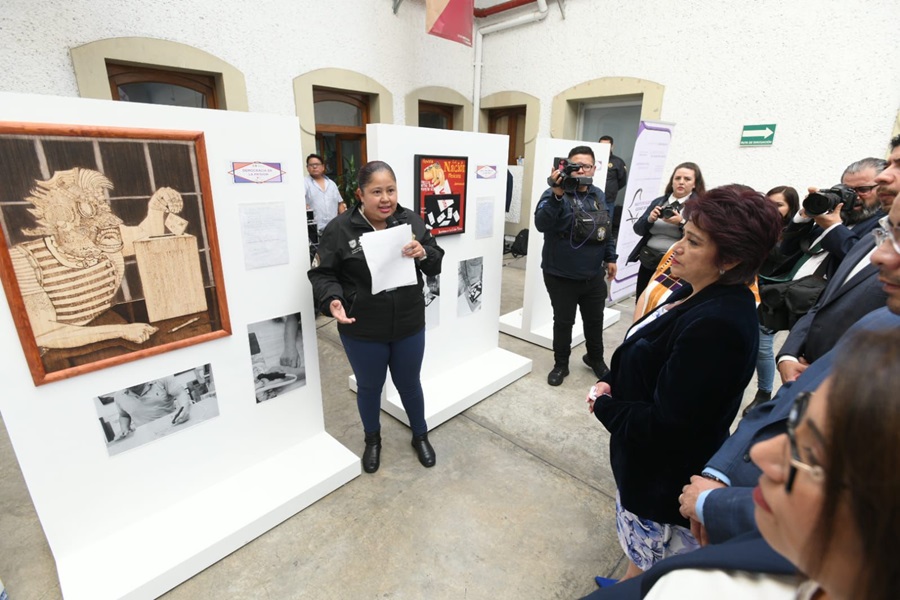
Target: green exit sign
758 135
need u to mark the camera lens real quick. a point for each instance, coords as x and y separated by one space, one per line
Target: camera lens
818 204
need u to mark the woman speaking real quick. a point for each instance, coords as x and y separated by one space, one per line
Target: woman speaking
379 331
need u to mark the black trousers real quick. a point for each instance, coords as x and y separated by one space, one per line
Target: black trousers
565 296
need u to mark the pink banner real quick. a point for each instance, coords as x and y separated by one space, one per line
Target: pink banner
450 19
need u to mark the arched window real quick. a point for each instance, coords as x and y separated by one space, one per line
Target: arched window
130 83
341 119
510 121
435 116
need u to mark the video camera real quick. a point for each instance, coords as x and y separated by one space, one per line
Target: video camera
826 200
569 183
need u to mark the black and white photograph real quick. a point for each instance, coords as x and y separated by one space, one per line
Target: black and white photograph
468 292
145 412
432 292
276 353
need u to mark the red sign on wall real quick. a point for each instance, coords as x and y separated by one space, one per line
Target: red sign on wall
450 19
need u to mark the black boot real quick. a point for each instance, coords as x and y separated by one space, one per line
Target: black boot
557 375
371 457
597 366
424 450
761 398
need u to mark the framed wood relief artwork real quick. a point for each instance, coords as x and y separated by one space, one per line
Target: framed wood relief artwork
441 192
108 251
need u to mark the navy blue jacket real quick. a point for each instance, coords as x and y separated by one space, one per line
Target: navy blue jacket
563 257
748 553
676 386
843 302
728 512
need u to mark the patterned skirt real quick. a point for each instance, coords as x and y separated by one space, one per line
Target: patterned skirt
647 542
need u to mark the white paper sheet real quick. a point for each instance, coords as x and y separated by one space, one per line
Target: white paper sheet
264 234
384 256
484 211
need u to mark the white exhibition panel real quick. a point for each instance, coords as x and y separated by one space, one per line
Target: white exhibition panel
138 523
463 363
534 321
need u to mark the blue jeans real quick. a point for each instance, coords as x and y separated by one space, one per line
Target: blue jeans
765 360
370 362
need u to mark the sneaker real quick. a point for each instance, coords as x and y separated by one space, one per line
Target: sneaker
598 367
557 375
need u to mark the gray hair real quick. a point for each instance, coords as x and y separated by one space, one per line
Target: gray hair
867 163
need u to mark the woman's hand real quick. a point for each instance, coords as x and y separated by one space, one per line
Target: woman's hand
414 250
654 214
601 388
675 219
337 311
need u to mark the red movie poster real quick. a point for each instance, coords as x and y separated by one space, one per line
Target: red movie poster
441 189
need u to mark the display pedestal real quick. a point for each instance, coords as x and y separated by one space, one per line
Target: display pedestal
542 334
146 558
135 522
459 387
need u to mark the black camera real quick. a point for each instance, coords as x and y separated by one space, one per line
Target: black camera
823 201
568 182
669 211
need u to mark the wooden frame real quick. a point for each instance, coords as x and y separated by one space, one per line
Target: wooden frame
108 248
443 205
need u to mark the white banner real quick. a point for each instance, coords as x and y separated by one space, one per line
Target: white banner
645 177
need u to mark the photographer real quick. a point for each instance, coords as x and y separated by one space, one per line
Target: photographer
660 225
823 237
575 218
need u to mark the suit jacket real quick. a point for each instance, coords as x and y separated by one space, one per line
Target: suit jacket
838 243
728 512
749 553
676 386
842 303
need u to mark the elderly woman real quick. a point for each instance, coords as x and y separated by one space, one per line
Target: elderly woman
660 225
676 382
827 500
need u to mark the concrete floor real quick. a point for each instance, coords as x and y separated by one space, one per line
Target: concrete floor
519 505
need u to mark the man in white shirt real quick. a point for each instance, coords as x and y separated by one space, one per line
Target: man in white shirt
322 195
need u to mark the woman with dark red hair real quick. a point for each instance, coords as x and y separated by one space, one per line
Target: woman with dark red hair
676 382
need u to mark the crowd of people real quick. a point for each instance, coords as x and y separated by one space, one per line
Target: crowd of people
804 485
799 501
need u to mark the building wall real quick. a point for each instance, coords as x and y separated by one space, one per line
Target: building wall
820 70
824 71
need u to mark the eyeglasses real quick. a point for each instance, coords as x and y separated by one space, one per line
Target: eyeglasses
314 165
885 231
864 189
798 410
583 167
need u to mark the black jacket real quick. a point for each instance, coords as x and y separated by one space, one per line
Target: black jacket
676 386
340 271
642 226
616 177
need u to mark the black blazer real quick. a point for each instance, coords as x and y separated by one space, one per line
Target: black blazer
676 387
843 302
